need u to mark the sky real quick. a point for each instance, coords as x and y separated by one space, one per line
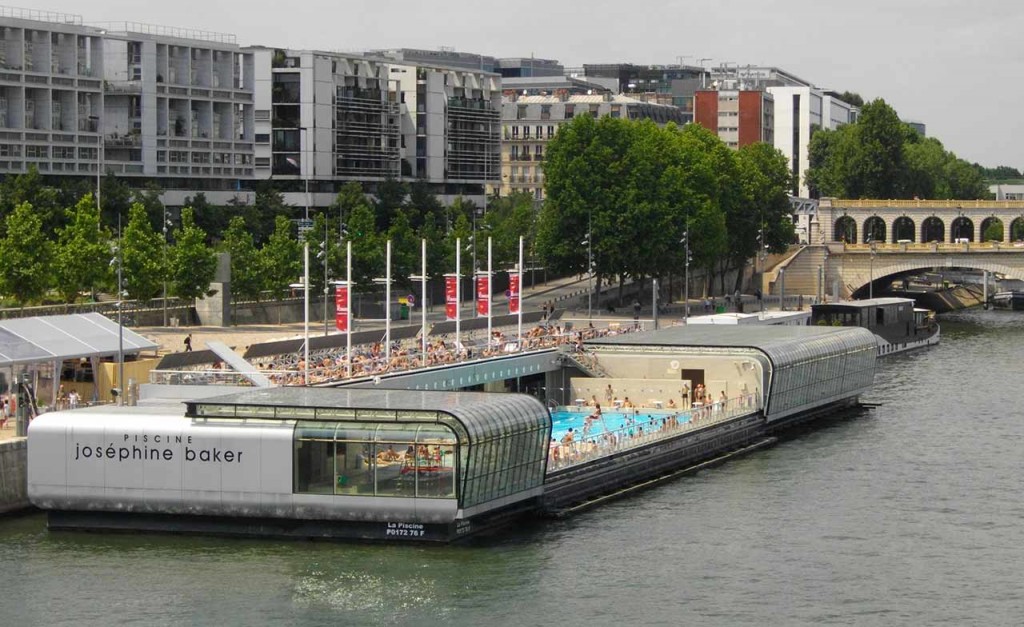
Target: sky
951 64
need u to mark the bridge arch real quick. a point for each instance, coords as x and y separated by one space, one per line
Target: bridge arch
846 230
904 228
933 229
874 230
1017 229
961 228
992 230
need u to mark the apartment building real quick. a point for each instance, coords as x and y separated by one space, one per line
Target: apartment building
530 122
738 116
139 101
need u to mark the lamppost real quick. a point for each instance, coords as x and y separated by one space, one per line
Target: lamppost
322 255
589 241
118 261
167 223
686 275
871 269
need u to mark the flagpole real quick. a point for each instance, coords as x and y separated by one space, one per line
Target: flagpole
490 290
458 294
387 308
348 314
423 299
519 297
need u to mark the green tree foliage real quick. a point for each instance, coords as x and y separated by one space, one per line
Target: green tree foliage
405 251
115 200
999 173
82 253
765 224
508 218
423 207
155 209
269 204
881 157
192 263
26 256
389 200
47 202
142 256
853 98
367 247
636 189
281 258
993 232
246 262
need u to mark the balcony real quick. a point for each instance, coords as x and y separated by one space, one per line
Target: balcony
122 87
123 140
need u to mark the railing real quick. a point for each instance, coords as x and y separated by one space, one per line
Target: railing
927 204
933 247
644 426
209 377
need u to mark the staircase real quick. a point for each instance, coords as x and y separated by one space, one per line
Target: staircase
801 272
587 363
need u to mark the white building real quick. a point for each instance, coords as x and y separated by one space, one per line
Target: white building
138 101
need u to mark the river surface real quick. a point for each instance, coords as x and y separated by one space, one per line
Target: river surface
906 514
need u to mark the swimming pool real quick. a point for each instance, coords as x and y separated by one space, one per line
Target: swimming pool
565 418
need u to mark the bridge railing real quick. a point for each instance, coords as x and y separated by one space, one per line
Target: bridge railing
934 247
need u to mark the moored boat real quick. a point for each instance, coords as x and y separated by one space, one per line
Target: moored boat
898 325
1009 299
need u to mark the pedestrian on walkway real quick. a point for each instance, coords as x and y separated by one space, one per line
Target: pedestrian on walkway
188 343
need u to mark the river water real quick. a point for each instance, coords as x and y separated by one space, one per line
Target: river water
906 514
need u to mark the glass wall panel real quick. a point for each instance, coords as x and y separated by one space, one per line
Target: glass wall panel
314 458
436 470
397 455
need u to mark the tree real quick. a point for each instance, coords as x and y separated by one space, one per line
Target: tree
367 247
26 254
246 263
30 187
268 206
281 258
766 223
852 98
192 263
390 199
82 253
141 256
115 200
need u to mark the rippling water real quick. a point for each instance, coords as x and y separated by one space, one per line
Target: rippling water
910 513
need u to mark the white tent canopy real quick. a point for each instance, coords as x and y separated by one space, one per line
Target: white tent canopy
57 338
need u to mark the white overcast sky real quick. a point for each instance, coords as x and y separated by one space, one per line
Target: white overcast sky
953 64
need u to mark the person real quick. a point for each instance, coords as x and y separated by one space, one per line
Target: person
671 403
188 343
609 394
685 394
73 399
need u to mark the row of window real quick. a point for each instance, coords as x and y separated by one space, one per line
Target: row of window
183 156
43 152
367 459
513 132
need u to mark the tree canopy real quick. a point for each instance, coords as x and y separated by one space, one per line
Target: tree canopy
881 157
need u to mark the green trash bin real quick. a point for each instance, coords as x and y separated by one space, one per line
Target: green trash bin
720 309
403 312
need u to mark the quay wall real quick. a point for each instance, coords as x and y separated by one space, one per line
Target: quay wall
13 475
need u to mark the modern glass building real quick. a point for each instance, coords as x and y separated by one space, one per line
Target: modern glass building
482 451
791 369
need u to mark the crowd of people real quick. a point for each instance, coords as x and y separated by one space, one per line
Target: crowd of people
372 359
638 426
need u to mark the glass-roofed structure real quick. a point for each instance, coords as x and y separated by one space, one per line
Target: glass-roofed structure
790 369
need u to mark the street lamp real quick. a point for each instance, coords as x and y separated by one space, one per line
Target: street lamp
686 275
118 261
871 269
589 241
167 223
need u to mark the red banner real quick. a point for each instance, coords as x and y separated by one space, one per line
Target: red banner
513 293
482 291
341 308
451 302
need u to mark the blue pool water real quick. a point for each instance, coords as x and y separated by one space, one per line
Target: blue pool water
564 418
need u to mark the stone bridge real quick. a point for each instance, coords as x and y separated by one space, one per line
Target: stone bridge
856 242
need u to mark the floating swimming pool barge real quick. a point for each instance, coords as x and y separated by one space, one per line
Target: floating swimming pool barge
403 465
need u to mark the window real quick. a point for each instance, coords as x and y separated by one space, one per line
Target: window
570 111
521 112
540 132
375 459
515 132
526 132
262 138
63 152
545 112
37 152
551 132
